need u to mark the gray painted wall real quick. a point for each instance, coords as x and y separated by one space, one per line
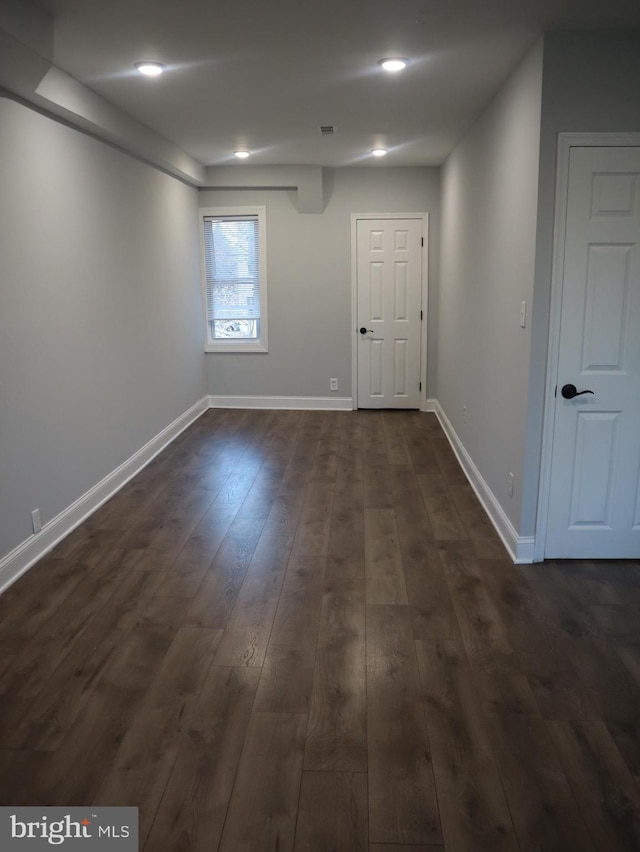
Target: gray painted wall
489 207
309 281
591 83
100 328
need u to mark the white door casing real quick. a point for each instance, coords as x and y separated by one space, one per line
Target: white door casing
389 305
593 506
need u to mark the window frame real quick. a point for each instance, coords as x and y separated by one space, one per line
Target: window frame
259 344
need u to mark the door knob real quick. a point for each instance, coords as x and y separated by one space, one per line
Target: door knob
569 391
364 330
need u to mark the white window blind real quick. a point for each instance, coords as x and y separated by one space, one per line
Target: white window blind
233 243
232 267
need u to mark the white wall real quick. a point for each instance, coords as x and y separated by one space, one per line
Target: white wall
591 83
100 328
309 280
489 206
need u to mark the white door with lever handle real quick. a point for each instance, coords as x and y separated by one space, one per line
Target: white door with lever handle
389 285
594 496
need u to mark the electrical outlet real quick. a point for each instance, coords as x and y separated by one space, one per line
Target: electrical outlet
333 384
510 485
36 520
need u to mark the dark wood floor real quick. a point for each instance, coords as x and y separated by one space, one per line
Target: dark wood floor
298 631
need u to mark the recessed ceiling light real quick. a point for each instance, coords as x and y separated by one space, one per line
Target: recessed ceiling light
242 155
379 152
394 63
150 69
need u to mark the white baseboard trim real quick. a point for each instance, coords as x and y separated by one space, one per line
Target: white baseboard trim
21 558
432 405
526 550
294 403
520 548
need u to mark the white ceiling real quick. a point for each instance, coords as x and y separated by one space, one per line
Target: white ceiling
266 73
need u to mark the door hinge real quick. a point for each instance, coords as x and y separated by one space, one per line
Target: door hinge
420 314
422 241
419 385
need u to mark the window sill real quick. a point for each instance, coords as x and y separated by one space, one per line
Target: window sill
228 348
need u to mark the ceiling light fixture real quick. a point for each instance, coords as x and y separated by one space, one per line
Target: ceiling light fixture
394 63
242 155
379 152
150 69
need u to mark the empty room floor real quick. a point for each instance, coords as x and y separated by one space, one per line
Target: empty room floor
299 631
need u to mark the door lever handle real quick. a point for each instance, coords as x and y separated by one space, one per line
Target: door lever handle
569 391
364 330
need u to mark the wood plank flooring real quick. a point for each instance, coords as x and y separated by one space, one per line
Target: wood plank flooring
298 631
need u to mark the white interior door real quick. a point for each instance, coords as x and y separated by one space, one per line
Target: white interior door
594 498
389 297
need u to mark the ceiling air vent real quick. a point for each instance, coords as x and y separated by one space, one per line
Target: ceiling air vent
327 129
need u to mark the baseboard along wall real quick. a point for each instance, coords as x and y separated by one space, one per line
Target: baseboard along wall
520 548
293 403
26 554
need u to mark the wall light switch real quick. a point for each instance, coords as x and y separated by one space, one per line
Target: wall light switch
523 314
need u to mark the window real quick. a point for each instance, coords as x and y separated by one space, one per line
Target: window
234 279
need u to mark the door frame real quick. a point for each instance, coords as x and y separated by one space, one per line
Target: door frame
566 141
424 217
